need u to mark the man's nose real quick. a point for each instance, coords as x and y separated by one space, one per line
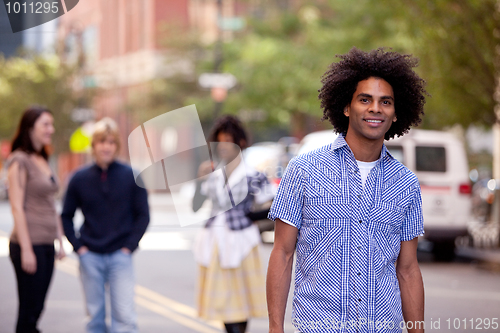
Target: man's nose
375 107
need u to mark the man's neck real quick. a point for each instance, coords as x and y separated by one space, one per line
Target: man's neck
364 150
102 165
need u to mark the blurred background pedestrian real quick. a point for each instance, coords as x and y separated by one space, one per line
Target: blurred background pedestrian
231 285
116 217
32 188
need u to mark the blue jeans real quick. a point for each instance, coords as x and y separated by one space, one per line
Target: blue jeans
115 270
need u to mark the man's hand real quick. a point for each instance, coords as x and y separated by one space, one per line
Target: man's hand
28 261
61 254
205 169
82 250
125 250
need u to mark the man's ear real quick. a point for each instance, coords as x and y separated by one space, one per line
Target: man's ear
347 109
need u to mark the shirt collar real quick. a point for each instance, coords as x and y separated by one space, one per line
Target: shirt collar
340 143
111 166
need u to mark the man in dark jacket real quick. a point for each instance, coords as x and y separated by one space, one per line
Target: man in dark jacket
116 216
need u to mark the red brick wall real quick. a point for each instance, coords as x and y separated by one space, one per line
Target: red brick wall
171 12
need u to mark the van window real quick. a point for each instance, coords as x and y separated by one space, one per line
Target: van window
397 153
431 159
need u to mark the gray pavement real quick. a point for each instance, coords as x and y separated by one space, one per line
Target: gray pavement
457 294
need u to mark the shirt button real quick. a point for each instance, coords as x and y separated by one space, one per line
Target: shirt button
359 247
360 221
359 273
359 299
359 195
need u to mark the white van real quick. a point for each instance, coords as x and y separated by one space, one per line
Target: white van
439 161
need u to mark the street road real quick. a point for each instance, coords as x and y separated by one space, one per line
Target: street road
458 294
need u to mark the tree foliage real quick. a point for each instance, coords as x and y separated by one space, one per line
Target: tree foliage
46 81
280 57
457 42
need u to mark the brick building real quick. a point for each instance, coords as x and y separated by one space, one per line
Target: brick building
120 44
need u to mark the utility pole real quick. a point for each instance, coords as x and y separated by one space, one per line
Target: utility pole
218 55
495 216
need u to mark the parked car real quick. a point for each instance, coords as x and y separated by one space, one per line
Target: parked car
266 158
483 195
439 161
270 158
316 140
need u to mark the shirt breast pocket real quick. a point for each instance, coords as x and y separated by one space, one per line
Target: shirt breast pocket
386 219
324 200
389 214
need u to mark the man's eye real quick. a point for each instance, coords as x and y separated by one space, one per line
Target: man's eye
364 100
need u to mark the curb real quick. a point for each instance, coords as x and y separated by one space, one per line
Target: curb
488 255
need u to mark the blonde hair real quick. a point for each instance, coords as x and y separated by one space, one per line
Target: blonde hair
104 127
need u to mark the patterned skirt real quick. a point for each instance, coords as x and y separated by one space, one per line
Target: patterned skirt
232 295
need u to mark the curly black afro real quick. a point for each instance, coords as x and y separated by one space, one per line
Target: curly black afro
231 125
341 79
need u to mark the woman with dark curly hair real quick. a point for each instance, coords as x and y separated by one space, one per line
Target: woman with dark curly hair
350 210
231 284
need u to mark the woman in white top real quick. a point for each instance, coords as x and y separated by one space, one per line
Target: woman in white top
231 285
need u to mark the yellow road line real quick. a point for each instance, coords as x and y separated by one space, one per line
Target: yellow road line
171 304
165 312
68 265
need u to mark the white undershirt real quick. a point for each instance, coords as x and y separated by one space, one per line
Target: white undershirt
364 169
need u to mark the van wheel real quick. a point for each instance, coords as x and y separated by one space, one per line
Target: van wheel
444 250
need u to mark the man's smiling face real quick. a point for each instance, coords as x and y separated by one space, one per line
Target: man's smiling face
371 111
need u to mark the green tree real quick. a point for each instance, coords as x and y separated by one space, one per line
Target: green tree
280 61
37 80
457 42
280 57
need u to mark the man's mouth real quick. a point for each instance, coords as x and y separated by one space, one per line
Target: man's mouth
373 121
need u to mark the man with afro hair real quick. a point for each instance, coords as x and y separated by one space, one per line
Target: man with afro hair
350 210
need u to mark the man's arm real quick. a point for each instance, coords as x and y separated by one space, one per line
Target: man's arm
411 285
71 203
279 274
141 217
17 177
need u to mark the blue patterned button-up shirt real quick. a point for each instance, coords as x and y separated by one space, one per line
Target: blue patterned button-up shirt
349 238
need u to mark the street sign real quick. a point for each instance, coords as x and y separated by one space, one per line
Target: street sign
231 23
217 80
80 140
4 149
82 115
218 94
